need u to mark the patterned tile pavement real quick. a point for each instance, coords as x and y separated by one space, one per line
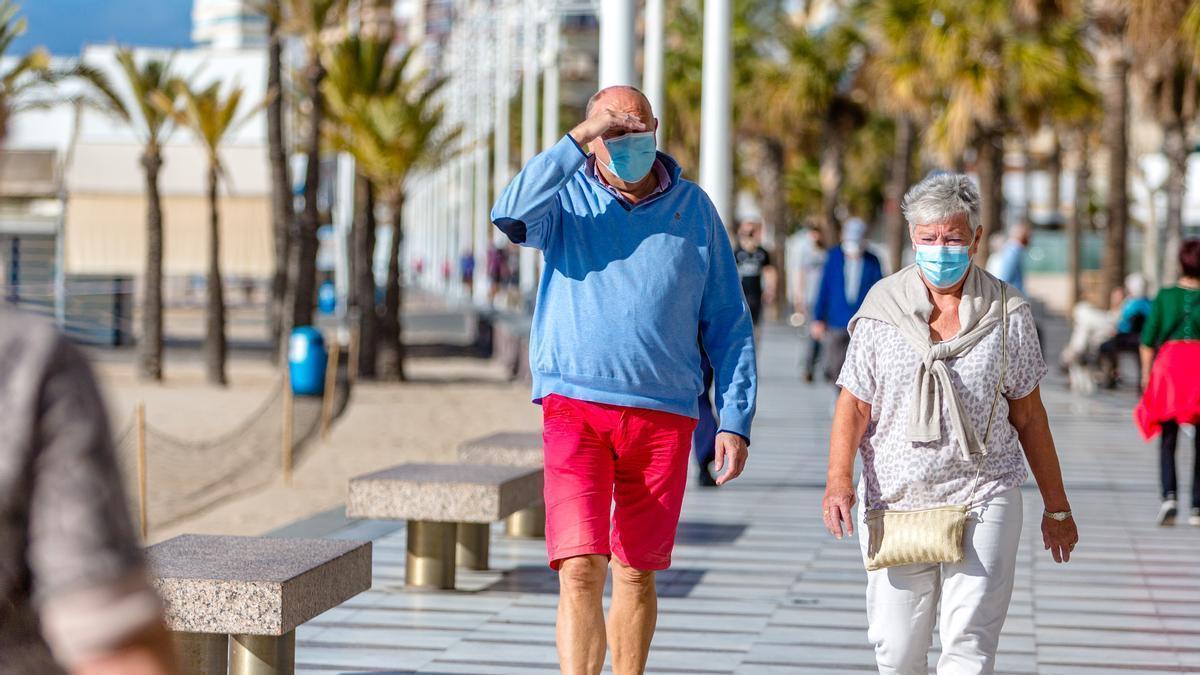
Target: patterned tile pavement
758 587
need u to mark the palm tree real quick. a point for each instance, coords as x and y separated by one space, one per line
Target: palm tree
1110 18
896 73
993 63
150 84
815 86
359 68
309 20
1164 55
395 134
212 118
24 73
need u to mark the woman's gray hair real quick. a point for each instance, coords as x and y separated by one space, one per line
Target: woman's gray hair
940 197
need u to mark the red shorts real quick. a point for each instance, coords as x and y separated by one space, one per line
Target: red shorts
597 454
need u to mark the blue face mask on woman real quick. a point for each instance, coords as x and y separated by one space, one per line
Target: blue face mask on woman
632 155
944 266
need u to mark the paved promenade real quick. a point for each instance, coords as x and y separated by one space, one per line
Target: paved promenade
758 587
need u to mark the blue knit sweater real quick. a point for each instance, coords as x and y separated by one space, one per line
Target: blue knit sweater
626 288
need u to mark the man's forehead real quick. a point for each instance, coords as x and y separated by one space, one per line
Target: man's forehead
624 98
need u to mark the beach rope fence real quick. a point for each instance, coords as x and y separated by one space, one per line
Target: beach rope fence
185 476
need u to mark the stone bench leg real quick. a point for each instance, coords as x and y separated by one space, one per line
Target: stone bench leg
202 653
262 654
430 562
473 541
528 523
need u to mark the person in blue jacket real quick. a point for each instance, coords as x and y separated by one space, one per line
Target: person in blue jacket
850 271
637 264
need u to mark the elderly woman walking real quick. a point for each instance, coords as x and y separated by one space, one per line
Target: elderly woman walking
940 394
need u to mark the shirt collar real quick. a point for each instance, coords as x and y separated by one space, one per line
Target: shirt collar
659 169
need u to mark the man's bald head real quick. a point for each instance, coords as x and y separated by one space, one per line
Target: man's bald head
621 96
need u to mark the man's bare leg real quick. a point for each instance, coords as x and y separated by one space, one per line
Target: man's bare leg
632 618
580 630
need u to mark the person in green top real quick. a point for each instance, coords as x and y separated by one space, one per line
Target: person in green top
1170 353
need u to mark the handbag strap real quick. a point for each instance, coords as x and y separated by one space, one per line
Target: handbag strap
987 434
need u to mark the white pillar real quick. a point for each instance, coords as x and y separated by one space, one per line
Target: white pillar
716 143
500 119
616 42
652 60
483 225
550 94
529 128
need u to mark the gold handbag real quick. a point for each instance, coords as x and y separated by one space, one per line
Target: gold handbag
934 535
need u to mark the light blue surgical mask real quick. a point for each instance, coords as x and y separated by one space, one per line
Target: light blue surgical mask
944 266
632 155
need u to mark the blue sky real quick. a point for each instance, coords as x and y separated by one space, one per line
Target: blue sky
64 26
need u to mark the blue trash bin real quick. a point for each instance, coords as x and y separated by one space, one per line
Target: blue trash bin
306 361
327 298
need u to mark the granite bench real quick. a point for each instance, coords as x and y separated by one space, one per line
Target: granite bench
234 602
449 509
513 448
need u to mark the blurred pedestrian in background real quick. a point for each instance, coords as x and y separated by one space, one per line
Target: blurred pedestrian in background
805 262
497 269
466 267
754 268
1133 310
849 273
1171 378
1008 265
941 394
74 592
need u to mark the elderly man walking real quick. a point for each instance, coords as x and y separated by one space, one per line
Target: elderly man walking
637 263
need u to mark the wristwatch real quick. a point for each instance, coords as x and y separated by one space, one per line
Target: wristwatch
1058 515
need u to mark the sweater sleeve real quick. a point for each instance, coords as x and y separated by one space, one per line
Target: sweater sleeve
528 211
728 335
1154 322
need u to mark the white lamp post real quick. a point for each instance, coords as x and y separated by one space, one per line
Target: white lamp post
716 146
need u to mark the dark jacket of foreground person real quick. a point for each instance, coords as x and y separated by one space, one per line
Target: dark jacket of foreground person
72 582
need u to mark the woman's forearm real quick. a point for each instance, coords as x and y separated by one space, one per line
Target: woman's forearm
1028 416
850 419
1147 356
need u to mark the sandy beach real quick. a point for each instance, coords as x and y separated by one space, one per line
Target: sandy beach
447 401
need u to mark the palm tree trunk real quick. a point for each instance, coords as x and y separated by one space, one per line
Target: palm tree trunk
303 263
991 189
391 340
150 349
1079 218
1055 171
1027 180
1176 150
767 169
364 280
1116 135
214 342
832 178
282 210
899 180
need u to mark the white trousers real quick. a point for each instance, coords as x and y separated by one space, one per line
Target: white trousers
902 601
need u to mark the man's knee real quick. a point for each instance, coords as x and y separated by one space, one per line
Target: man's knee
583 574
631 576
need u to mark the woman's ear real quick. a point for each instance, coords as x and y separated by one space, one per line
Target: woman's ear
978 239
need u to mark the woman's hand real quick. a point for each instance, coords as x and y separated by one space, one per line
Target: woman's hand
838 508
1060 537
